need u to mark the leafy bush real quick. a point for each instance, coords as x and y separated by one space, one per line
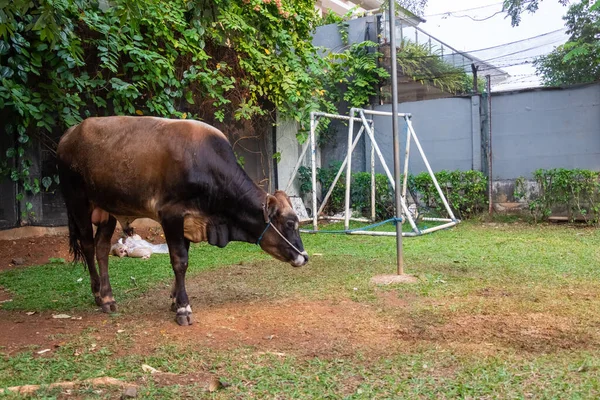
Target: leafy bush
577 190
465 191
325 177
222 60
361 195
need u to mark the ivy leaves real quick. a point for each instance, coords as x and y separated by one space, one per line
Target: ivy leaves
65 60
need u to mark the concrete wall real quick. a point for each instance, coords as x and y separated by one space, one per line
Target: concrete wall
359 30
531 129
288 147
545 129
447 131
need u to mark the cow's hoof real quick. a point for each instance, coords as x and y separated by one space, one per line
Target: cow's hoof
184 316
109 307
184 320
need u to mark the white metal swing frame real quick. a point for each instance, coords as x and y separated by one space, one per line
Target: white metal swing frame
368 126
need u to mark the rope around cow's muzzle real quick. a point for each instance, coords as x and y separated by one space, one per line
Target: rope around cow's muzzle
269 224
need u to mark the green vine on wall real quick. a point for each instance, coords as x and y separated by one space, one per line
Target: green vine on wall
62 61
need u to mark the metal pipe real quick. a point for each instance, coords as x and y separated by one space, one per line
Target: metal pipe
491 176
313 149
385 113
373 181
374 143
394 71
433 178
305 147
405 234
439 227
406 158
349 169
438 219
366 233
343 218
339 173
379 233
388 173
334 116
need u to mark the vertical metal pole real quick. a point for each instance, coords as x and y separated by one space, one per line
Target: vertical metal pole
313 154
398 190
373 214
474 68
491 176
349 171
340 172
429 169
406 160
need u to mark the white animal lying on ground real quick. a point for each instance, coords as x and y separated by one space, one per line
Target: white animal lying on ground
136 247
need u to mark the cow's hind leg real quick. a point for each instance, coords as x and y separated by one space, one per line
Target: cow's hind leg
102 242
87 246
178 252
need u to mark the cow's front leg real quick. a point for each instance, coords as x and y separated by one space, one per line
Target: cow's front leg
178 252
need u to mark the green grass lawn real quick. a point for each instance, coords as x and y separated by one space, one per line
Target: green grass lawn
501 310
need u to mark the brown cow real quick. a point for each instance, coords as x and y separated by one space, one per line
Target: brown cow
180 173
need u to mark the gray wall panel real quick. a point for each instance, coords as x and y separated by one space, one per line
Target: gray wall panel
545 129
444 128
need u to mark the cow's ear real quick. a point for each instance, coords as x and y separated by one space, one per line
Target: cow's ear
283 197
271 207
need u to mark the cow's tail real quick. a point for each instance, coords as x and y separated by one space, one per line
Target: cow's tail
75 239
73 194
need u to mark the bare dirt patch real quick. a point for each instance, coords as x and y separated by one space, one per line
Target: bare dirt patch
531 332
20 331
38 250
32 251
343 328
302 328
279 328
230 315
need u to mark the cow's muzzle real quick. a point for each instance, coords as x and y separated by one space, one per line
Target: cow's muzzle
300 260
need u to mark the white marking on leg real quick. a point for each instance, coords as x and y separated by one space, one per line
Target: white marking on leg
188 308
181 310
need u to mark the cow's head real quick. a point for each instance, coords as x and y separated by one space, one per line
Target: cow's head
281 237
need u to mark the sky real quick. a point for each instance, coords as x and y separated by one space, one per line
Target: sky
464 34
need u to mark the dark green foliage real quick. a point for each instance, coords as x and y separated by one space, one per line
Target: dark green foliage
354 71
576 191
515 8
361 195
420 64
466 191
325 177
63 61
578 60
